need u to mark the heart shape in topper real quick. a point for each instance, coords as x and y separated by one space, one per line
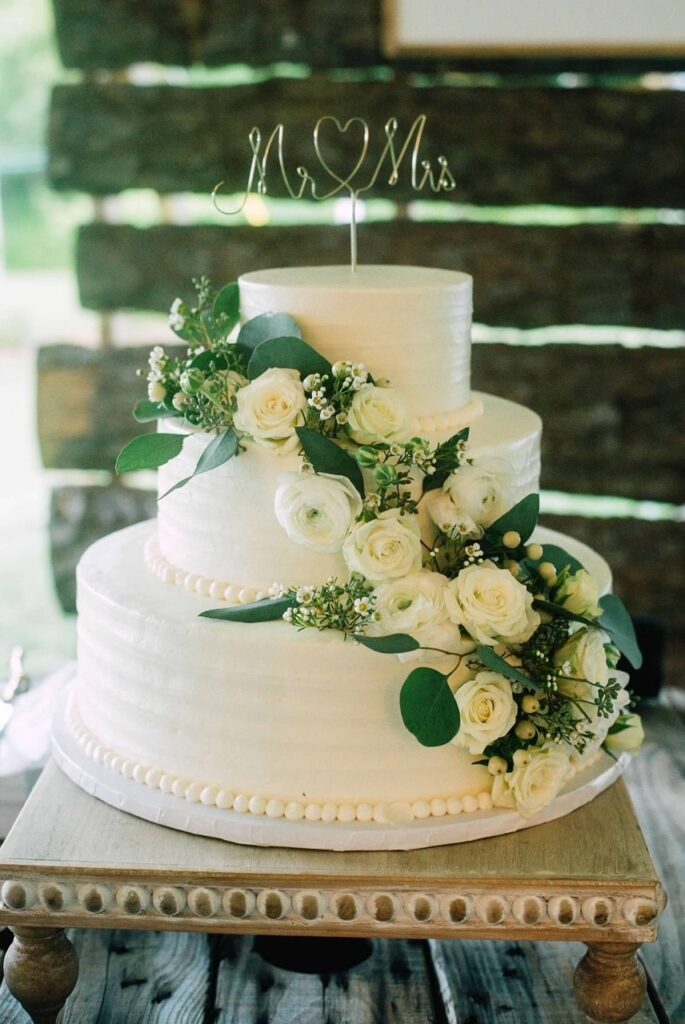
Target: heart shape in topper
345 182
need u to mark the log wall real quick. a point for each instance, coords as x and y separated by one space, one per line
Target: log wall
530 137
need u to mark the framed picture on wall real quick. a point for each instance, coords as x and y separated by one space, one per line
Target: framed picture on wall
512 28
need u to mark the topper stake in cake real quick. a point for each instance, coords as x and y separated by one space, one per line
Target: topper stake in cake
359 180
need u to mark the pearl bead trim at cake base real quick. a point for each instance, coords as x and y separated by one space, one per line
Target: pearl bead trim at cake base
382 812
219 590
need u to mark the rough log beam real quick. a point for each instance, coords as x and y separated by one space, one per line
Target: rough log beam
106 34
525 276
580 147
613 417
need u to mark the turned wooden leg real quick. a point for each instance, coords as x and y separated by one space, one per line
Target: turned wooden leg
610 982
41 968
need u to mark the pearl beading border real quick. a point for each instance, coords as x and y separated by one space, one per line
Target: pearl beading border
205 586
452 420
381 812
469 909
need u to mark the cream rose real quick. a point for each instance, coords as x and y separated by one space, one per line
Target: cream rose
579 594
488 711
481 491
448 518
585 657
629 737
534 781
316 509
378 415
270 407
385 548
415 604
491 605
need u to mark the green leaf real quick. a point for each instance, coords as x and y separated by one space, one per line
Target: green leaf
523 518
620 725
497 664
289 353
205 360
395 643
558 611
227 304
147 411
263 328
149 451
328 457
557 556
447 461
616 621
260 611
428 707
220 450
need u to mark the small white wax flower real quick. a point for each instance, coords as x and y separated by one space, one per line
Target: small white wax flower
176 319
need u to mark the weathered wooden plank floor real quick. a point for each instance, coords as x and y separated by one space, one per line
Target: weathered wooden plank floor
150 978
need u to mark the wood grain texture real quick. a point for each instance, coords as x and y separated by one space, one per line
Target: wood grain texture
507 983
391 987
524 276
580 147
625 435
101 34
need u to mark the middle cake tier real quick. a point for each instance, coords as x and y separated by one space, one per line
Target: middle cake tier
219 533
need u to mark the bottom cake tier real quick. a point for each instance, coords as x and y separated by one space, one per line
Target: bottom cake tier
255 718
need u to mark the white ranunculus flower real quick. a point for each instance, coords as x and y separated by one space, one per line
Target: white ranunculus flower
481 490
378 415
585 656
448 518
316 509
488 711
629 738
385 548
415 604
270 407
579 594
491 605
534 782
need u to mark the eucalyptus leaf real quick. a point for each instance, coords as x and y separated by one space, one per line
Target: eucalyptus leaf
268 610
493 661
428 707
147 411
288 353
523 518
616 621
220 450
263 328
149 451
328 457
558 611
227 304
446 461
205 359
395 643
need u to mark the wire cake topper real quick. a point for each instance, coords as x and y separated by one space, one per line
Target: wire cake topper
393 155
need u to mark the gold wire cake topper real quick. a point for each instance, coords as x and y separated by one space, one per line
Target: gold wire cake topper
393 154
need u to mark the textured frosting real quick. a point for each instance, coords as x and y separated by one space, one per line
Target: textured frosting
411 324
252 711
222 525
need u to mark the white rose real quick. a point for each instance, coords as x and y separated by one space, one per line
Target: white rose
270 407
630 737
491 605
378 415
415 604
488 711
316 509
482 490
579 594
448 518
584 654
385 548
534 781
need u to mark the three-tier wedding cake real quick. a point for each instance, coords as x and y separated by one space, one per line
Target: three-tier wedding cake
340 614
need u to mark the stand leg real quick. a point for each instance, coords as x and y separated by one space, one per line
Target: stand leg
610 982
41 968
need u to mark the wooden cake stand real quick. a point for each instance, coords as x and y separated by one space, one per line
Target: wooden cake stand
72 861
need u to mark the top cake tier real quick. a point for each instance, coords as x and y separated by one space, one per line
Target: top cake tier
411 323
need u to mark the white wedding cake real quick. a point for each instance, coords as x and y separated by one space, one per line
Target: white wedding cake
255 717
